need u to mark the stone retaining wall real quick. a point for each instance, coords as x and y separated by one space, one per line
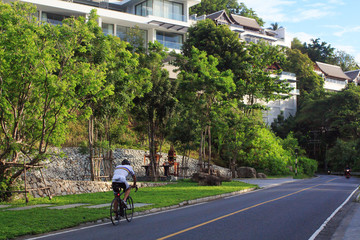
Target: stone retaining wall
71 173
65 187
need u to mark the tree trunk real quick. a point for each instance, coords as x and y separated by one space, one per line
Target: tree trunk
209 138
91 146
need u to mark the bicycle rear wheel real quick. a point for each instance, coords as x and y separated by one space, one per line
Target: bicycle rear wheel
115 214
129 211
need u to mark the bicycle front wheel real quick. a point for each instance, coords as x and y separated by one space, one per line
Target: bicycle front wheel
115 213
129 211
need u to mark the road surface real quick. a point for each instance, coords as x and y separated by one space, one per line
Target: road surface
293 210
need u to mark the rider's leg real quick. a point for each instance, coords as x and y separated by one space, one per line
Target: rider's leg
127 193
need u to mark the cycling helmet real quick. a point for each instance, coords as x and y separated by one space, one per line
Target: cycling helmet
125 162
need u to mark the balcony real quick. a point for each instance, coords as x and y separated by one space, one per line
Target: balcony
172 45
99 4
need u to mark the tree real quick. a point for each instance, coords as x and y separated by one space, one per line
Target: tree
275 26
218 41
156 107
129 80
204 88
42 84
300 64
259 83
346 61
319 52
297 44
207 7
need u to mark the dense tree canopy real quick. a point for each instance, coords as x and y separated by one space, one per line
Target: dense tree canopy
43 83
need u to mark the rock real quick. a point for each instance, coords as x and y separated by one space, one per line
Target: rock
246 172
205 179
261 175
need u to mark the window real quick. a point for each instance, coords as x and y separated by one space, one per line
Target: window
170 40
161 8
138 38
108 29
54 19
144 8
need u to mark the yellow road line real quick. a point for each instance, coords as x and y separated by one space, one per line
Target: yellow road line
239 211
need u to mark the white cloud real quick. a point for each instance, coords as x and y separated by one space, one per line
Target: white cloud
302 36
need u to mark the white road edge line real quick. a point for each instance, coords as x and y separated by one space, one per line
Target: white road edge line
332 215
101 224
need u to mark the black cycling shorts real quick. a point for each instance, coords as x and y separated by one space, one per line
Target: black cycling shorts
116 186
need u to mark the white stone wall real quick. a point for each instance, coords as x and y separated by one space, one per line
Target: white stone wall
76 166
70 174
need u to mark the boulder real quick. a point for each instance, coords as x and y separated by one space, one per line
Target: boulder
205 179
261 175
246 172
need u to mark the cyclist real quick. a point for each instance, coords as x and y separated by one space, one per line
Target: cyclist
119 180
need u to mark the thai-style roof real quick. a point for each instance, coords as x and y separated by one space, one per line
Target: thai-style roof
332 71
221 17
353 74
245 21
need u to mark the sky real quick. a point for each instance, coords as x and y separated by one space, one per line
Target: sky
336 22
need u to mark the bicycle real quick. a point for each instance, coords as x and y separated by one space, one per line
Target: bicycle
115 215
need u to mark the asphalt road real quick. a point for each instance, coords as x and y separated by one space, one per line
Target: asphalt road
290 211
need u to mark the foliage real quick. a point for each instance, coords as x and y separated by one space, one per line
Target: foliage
319 52
218 41
43 83
344 153
264 152
300 64
258 83
307 166
156 107
207 7
203 89
346 61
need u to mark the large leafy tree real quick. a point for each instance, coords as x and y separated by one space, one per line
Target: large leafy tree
319 51
205 89
155 108
42 85
300 64
129 80
218 41
346 61
259 83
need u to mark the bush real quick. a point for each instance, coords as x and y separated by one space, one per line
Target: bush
307 166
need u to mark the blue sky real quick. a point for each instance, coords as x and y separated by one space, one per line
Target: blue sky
336 22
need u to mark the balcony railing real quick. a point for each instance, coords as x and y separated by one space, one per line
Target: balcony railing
173 45
98 3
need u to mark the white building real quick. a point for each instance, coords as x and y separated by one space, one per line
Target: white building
288 106
334 77
161 20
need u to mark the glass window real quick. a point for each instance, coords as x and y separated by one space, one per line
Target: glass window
54 19
108 28
121 32
170 40
161 8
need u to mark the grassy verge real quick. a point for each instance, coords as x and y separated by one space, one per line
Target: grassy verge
41 220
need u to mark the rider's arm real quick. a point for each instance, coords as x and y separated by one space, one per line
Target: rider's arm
134 178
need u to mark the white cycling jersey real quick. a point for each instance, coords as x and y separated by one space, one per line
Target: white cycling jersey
121 172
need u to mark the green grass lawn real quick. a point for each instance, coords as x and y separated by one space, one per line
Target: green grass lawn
41 220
